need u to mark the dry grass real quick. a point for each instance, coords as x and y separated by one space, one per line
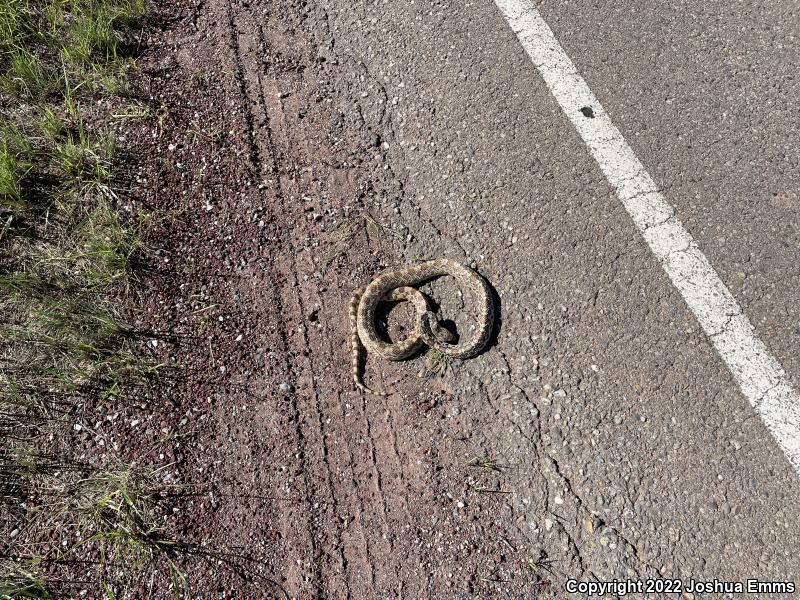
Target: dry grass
345 229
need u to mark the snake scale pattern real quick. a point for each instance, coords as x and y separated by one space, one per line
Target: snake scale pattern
397 285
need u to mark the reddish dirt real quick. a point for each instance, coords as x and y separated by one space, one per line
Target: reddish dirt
255 154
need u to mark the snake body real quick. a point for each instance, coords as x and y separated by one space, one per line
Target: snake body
397 285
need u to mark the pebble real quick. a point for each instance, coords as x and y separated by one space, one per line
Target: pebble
286 388
610 533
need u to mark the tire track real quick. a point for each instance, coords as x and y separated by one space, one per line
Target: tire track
257 163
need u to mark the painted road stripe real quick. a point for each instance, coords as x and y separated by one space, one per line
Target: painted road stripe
760 377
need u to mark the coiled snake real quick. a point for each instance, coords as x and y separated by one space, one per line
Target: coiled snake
396 286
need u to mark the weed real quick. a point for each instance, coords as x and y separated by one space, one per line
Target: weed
111 510
18 582
537 565
484 579
203 317
486 462
438 363
194 132
162 114
134 112
346 228
11 173
376 228
479 488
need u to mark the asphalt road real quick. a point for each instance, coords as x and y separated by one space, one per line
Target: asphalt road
639 454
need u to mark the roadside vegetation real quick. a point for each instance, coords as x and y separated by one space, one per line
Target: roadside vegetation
68 254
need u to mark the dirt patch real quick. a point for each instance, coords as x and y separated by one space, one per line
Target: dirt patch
288 482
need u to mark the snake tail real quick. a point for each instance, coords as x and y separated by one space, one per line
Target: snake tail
358 348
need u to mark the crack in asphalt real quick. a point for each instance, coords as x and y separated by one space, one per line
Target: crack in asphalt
551 462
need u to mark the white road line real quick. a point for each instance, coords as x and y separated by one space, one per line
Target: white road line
760 377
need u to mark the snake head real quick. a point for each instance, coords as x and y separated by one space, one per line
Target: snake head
434 334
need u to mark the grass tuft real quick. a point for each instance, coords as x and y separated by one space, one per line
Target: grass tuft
346 228
84 162
17 582
112 511
485 462
11 173
437 363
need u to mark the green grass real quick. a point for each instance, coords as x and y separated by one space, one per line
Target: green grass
68 256
17 582
11 173
109 247
486 462
112 511
437 363
84 161
65 340
46 46
485 579
24 74
51 124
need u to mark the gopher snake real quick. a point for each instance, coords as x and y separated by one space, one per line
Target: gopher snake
396 285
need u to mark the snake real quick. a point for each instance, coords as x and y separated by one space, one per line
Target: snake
398 285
